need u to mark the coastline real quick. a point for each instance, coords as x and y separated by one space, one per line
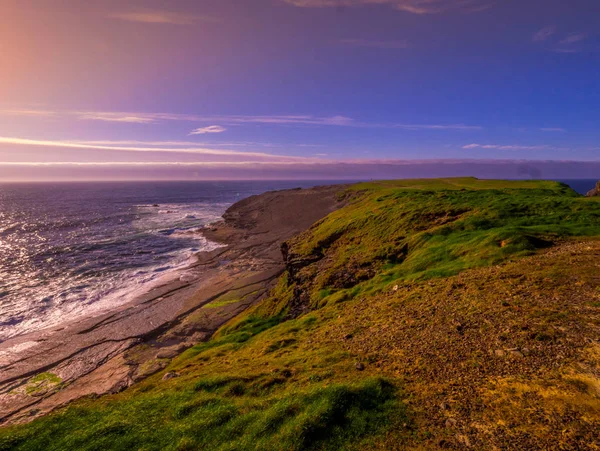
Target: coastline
109 352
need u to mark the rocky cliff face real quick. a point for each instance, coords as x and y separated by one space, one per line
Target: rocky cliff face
595 192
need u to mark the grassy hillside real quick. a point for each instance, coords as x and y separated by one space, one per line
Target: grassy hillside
432 314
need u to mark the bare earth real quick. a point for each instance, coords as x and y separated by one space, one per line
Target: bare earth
109 352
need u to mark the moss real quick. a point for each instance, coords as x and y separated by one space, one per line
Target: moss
42 383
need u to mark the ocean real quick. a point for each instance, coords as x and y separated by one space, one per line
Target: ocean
72 249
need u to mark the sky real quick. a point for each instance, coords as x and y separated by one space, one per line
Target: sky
245 89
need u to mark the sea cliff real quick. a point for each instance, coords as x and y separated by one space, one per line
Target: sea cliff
414 314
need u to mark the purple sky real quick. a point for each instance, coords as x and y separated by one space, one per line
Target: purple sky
247 89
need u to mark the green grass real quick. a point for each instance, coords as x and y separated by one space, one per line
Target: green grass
265 381
218 404
414 230
218 414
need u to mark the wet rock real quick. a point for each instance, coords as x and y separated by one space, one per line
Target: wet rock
170 375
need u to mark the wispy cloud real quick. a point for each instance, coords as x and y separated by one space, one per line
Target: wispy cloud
394 44
560 43
134 143
458 127
507 147
136 148
572 38
570 43
160 17
238 120
284 120
137 118
117 117
553 129
339 121
544 34
410 6
209 129
28 112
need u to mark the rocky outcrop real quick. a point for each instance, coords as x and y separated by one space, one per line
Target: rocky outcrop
595 192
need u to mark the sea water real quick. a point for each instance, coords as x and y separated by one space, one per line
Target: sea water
72 249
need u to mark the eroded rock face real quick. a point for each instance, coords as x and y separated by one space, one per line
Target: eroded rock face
595 192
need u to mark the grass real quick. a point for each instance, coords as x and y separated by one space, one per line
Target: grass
417 230
242 391
462 353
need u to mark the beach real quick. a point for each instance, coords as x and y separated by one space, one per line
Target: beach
108 352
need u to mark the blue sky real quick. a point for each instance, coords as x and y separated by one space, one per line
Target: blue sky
231 82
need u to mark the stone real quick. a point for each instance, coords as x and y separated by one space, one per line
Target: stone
169 353
396 287
595 192
516 353
360 366
499 353
170 375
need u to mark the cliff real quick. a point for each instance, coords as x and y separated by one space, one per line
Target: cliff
424 314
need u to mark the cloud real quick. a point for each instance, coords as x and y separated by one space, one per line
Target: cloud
339 121
210 129
410 6
29 112
137 148
160 17
400 44
572 39
505 147
284 120
458 127
544 34
117 117
238 120
566 44
553 129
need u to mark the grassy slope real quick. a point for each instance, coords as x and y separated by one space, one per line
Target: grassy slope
493 356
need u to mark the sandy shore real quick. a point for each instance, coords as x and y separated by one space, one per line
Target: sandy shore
109 352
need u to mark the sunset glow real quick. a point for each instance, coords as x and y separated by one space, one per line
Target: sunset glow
319 82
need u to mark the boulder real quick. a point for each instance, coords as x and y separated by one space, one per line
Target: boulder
595 192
